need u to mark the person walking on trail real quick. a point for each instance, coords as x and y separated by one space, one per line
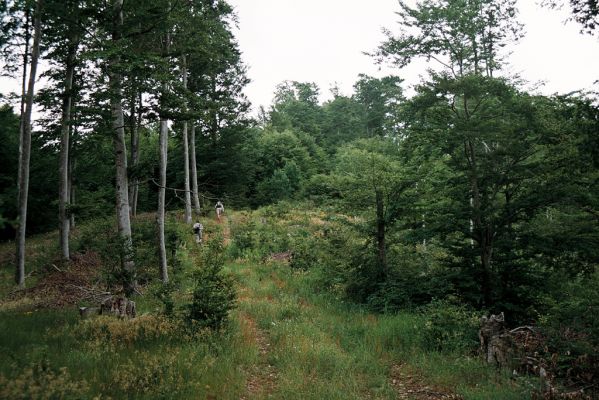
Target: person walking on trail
198 229
220 209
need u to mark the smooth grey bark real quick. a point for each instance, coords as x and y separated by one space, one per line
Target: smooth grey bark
71 182
186 151
134 126
120 152
194 170
25 148
24 87
65 133
163 148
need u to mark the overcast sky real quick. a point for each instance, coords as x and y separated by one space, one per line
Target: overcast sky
323 41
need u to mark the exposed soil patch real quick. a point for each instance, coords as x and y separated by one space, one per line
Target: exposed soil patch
61 287
262 377
410 386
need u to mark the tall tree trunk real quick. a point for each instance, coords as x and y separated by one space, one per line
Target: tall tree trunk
380 232
25 146
71 174
24 86
163 139
120 150
72 199
186 152
134 126
194 170
65 128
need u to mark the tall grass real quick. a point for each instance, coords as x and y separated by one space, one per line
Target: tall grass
288 338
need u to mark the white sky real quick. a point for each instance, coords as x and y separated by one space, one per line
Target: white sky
322 41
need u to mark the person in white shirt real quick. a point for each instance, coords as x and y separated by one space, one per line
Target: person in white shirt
198 229
220 209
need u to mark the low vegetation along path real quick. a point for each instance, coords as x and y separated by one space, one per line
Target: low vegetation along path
309 346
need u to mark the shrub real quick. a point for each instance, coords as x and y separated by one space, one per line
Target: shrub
572 330
107 330
41 381
257 240
449 327
214 293
414 279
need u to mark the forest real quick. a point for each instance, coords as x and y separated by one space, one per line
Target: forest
434 243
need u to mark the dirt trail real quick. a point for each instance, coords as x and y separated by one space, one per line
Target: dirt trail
226 230
262 376
410 386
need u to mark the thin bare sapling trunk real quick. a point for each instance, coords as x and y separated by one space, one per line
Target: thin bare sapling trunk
25 146
186 152
65 133
134 126
24 86
71 173
163 143
194 170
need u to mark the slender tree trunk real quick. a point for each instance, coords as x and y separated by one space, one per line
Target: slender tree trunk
72 202
25 146
133 121
65 128
120 150
163 139
380 232
194 170
186 152
71 174
24 87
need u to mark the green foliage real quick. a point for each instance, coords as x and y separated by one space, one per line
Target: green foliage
415 278
450 328
100 236
258 238
463 36
571 327
214 293
42 381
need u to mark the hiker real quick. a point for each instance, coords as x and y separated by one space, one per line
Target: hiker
198 228
219 209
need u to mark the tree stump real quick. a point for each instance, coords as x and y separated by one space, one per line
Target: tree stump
495 342
114 305
119 307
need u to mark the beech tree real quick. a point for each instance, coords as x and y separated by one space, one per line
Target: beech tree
120 148
25 146
464 36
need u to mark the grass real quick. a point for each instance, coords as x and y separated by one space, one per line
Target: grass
285 340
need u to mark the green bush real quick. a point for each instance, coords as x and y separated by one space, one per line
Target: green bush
572 329
257 240
243 235
307 252
449 327
101 236
414 279
214 292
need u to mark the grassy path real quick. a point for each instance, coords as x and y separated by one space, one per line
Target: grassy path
310 348
311 345
285 341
